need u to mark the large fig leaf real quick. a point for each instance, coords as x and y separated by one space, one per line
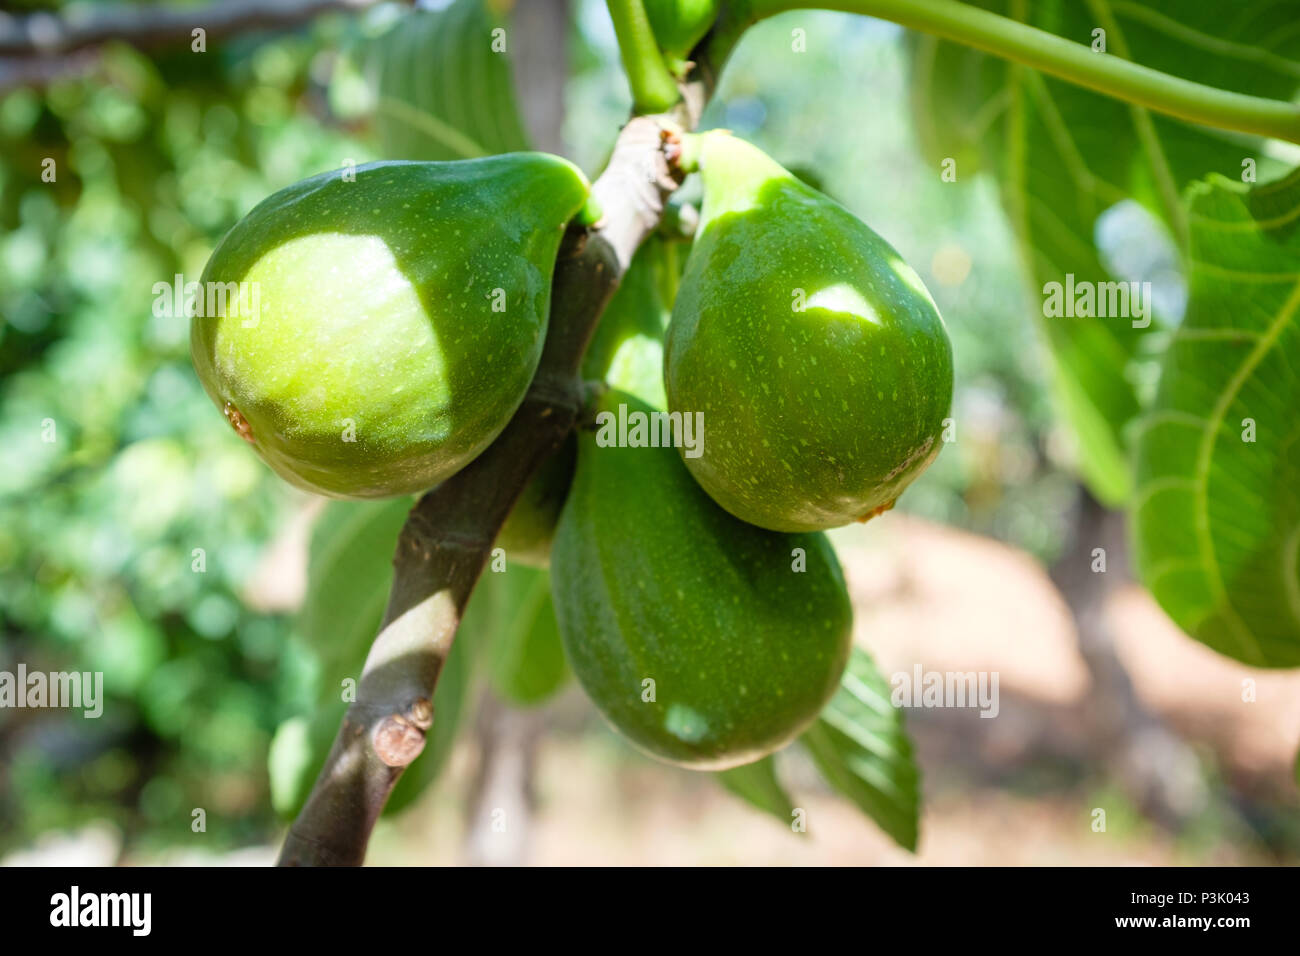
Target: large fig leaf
443 91
1217 515
1063 155
861 747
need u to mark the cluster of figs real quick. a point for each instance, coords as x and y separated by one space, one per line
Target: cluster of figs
402 312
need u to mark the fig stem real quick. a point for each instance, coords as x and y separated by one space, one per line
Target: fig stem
653 88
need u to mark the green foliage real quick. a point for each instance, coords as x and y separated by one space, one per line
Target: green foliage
526 659
128 543
743 632
1064 155
1217 513
860 746
433 279
813 352
443 91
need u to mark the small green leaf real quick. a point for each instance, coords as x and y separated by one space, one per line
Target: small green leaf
757 784
860 746
1217 515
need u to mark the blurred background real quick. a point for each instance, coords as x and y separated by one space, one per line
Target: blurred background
119 481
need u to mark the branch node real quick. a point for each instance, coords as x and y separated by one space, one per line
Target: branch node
399 738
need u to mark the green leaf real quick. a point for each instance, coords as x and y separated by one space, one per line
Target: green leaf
526 658
443 93
1217 516
861 747
1063 155
350 571
757 784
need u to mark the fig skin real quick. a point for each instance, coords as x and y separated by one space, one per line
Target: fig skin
817 356
679 24
652 580
401 317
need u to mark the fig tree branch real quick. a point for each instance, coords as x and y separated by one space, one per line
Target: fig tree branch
448 536
1075 62
152 25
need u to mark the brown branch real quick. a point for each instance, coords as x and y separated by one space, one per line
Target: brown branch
47 34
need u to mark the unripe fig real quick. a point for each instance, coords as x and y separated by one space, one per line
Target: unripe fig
680 24
816 355
400 317
704 640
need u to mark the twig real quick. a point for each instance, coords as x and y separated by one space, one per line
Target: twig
46 34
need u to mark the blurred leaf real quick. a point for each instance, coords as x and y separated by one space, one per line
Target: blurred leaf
527 664
1218 510
349 570
443 93
1063 155
757 784
862 749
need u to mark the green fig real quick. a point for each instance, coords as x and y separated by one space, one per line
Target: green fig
680 24
816 355
391 320
743 632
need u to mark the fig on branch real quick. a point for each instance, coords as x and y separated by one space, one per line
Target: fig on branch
706 641
390 321
819 360
680 24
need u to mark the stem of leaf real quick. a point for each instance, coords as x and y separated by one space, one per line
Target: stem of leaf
1113 76
653 88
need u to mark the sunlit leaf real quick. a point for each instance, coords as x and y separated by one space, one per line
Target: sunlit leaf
1217 513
